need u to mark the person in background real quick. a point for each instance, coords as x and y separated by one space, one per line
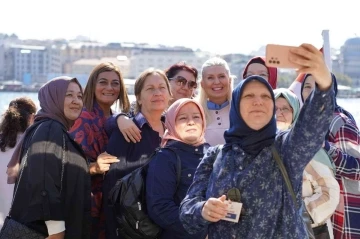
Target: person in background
320 190
104 88
16 119
342 143
152 91
256 66
53 193
185 129
215 96
244 169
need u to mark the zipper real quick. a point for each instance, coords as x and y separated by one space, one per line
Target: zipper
117 232
137 225
139 205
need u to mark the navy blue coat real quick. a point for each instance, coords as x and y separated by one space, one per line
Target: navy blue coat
132 156
162 197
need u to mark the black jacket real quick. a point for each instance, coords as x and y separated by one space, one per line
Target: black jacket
38 198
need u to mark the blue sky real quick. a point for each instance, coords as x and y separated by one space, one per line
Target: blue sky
217 26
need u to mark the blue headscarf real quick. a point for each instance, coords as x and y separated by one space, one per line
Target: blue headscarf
250 140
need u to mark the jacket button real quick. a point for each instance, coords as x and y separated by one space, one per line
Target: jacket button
219 123
43 193
216 112
196 150
218 118
189 175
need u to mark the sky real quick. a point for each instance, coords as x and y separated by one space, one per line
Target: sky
226 26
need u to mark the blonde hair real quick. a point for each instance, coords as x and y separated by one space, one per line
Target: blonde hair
202 97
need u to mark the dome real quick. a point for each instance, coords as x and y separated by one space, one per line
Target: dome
352 41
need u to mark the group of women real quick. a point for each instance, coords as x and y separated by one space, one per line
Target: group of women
78 148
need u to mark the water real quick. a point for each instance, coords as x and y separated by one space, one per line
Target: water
5 97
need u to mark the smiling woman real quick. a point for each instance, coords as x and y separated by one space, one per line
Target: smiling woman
104 87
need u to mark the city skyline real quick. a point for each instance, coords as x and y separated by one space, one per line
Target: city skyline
225 27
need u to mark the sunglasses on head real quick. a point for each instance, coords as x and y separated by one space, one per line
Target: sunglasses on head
181 81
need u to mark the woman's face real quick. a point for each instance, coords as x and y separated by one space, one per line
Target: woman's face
154 95
73 101
284 113
216 83
309 86
107 88
256 105
189 123
180 90
257 69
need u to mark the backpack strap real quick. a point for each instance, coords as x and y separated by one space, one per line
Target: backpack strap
178 166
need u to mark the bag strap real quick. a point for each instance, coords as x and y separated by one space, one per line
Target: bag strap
178 166
284 173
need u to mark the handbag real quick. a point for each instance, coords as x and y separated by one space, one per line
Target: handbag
303 212
16 230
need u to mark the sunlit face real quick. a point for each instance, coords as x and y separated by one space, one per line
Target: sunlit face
284 113
107 88
73 101
309 86
180 91
189 123
256 105
216 83
154 95
257 69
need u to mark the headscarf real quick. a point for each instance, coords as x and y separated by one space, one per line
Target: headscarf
338 108
272 71
51 97
291 98
172 112
250 140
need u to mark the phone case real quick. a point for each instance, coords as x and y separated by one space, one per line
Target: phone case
278 56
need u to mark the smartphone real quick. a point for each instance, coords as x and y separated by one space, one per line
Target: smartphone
278 56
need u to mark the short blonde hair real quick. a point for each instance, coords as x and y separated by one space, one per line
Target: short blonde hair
202 96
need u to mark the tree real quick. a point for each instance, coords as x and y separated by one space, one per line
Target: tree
343 79
285 79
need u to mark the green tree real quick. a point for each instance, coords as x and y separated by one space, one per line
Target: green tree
285 79
343 79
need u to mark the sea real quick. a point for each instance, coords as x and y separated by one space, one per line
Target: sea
350 104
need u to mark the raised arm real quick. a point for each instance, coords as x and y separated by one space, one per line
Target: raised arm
308 133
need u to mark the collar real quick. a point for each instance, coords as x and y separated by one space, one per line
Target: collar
201 149
213 106
140 120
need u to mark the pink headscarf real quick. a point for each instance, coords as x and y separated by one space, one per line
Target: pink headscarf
171 114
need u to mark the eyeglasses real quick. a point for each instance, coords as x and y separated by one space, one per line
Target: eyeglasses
283 110
234 195
181 81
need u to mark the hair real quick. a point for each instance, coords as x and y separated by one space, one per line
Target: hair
181 66
203 97
89 92
16 119
140 81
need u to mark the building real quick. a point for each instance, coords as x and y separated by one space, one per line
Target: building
30 64
349 60
163 57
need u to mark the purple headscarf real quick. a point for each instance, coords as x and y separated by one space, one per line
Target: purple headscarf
51 97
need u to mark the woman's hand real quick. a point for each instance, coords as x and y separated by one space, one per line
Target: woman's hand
103 163
214 209
311 61
128 128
